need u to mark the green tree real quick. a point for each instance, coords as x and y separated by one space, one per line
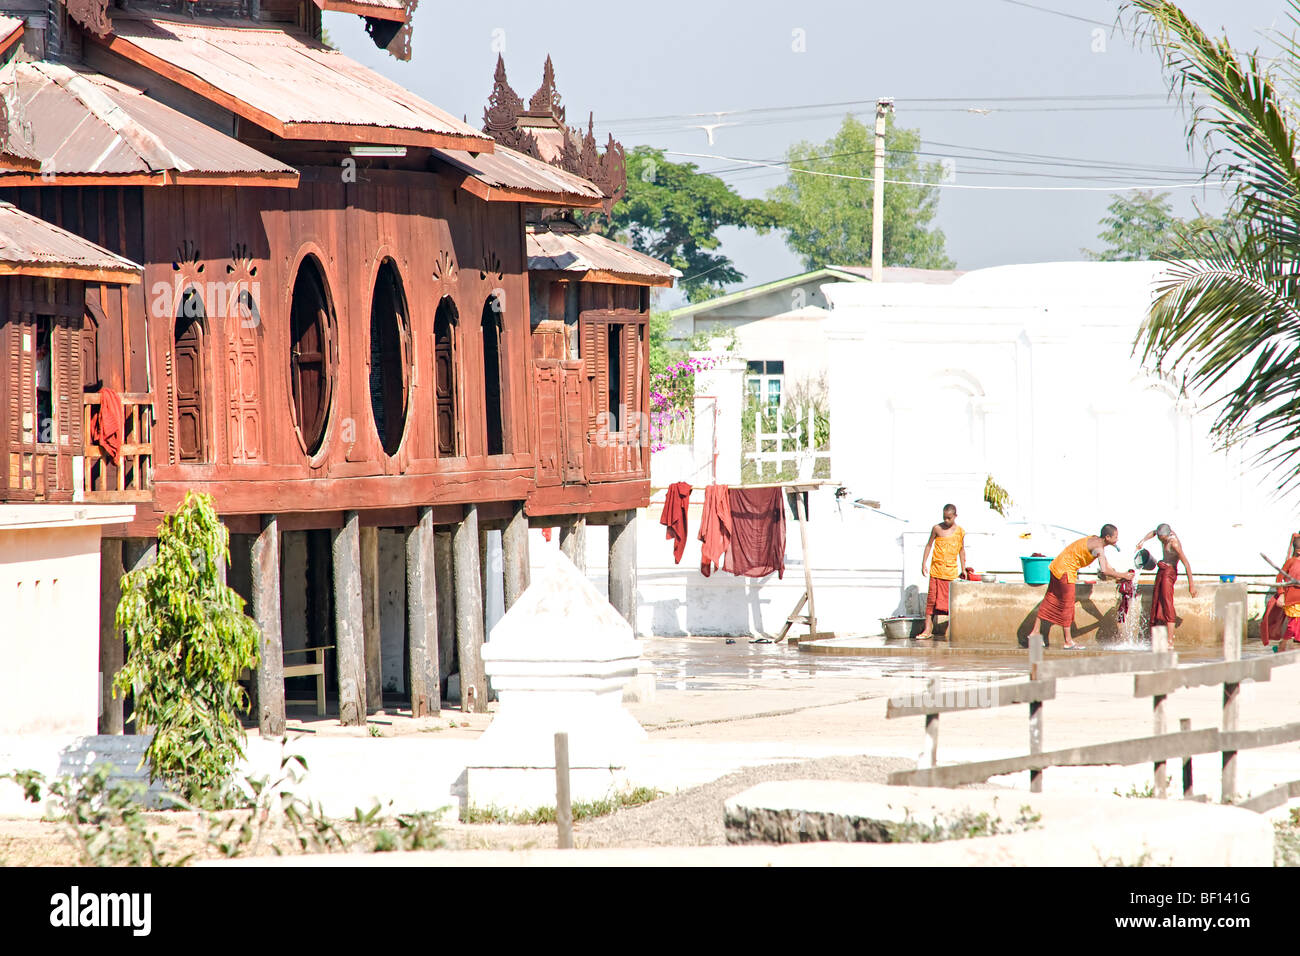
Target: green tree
828 219
187 640
1142 226
1229 309
673 212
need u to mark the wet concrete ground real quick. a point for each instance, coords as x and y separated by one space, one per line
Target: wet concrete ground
711 663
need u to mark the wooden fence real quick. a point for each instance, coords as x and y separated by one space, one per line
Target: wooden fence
1158 675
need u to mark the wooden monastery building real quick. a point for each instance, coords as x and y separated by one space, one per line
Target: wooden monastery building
328 304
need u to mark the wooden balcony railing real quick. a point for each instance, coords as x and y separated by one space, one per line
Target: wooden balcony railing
131 479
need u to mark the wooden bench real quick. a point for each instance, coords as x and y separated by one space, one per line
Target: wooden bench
315 666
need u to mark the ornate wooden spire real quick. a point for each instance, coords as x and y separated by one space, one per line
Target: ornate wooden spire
507 122
547 99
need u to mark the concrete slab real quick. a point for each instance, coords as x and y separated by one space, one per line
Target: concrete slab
1052 829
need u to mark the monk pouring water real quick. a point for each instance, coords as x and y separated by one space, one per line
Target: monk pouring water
1162 592
1058 605
948 541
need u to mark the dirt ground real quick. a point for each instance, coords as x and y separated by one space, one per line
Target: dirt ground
689 818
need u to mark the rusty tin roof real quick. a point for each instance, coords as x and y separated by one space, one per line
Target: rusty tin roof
379 9
82 125
31 246
563 247
288 83
510 176
11 30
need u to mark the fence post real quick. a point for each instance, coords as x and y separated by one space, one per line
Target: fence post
932 740
1231 698
1159 716
563 806
1035 713
1185 723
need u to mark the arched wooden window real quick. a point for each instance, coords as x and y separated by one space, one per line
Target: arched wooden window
390 357
189 380
311 330
445 323
493 390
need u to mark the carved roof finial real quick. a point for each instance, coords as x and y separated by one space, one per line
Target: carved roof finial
547 98
504 105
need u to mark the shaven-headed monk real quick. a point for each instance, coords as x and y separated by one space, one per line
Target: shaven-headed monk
1058 604
948 541
1162 592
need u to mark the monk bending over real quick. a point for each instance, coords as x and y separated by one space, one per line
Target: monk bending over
1058 605
1162 593
949 543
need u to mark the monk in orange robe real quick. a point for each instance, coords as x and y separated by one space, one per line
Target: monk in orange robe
948 541
1289 596
1162 590
1058 605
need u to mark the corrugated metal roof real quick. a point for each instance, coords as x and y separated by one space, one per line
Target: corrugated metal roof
559 247
32 246
288 83
10 28
380 9
80 123
511 171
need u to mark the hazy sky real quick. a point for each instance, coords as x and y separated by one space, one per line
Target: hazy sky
630 62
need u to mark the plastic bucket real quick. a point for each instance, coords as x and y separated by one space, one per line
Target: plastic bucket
1035 569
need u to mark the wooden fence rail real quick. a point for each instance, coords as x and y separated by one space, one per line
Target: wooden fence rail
1157 674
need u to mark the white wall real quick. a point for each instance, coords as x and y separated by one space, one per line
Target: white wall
1026 373
49 596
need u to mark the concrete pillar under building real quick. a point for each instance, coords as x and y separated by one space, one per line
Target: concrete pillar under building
573 539
422 617
442 555
514 548
345 545
622 565
466 569
369 541
265 611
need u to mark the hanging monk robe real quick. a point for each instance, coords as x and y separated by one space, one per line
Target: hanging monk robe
945 567
1058 604
676 501
715 528
1162 594
106 422
757 532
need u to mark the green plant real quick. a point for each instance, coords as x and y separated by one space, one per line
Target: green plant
997 497
104 820
581 809
374 731
1147 792
188 640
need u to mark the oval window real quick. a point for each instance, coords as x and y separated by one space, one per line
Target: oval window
390 357
444 376
311 324
493 388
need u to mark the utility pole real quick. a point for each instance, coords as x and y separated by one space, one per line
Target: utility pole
884 106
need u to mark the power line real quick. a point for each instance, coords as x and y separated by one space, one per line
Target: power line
902 182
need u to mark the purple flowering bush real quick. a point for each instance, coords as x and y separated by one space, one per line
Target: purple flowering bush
672 398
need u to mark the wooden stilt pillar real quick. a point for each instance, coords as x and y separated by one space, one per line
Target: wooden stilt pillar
422 617
514 547
266 612
112 717
573 540
446 590
369 538
622 566
469 613
345 544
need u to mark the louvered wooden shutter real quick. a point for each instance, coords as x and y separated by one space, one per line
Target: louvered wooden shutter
574 423
20 408
550 397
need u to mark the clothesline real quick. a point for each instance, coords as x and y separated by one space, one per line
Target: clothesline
787 485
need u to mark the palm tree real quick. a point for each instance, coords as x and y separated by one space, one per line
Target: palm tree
1228 309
